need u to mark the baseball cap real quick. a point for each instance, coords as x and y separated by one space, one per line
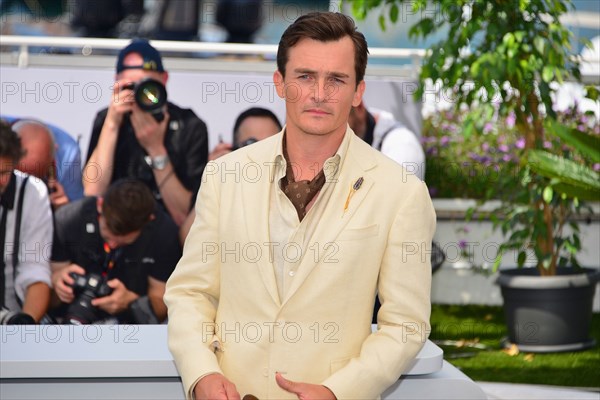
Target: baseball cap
151 56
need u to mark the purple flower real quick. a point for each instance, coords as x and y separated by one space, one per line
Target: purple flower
444 140
506 158
596 167
488 127
511 119
432 151
503 148
462 244
547 144
520 143
485 147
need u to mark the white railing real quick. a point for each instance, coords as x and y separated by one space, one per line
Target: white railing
88 45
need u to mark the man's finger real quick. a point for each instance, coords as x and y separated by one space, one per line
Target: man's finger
232 393
287 385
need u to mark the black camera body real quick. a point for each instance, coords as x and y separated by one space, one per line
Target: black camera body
8 317
86 288
150 95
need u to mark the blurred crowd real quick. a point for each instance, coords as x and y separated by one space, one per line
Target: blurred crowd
235 20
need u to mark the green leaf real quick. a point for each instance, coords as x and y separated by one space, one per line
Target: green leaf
548 193
522 257
576 180
591 92
539 43
588 145
497 261
382 22
508 40
394 12
548 73
469 128
519 35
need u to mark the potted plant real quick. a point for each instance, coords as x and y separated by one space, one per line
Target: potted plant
501 59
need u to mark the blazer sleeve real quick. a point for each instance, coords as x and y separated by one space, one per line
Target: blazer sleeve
192 292
404 289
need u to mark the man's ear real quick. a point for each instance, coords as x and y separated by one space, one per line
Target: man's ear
99 204
165 77
360 90
279 85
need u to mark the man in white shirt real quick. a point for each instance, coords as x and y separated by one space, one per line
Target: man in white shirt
25 234
381 130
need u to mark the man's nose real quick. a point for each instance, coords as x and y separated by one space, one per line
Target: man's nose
319 93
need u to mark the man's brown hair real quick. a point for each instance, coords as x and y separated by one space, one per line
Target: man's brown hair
128 206
324 27
10 144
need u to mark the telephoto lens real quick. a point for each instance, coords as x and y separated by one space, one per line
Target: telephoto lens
150 95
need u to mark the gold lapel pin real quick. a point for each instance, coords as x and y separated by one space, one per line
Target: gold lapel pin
353 190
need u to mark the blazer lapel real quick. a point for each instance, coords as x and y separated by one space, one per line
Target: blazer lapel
256 212
357 164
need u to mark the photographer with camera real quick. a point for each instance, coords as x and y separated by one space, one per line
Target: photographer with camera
251 126
112 256
141 135
25 233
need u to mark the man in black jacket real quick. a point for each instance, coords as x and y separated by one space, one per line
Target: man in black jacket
167 152
122 247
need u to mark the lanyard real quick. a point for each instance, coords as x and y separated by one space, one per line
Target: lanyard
109 260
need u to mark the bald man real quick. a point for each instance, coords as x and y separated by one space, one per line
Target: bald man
39 160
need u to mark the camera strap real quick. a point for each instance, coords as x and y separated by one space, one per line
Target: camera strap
2 264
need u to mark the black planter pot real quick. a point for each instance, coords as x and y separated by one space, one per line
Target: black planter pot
549 314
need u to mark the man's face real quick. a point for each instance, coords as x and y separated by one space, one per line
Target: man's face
115 241
258 128
6 168
319 86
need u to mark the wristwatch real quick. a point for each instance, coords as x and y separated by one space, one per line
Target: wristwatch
158 162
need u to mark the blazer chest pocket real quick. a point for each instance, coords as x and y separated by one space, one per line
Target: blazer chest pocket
359 233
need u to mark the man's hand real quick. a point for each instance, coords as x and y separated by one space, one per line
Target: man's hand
118 300
62 282
304 391
121 103
215 387
220 150
58 198
149 132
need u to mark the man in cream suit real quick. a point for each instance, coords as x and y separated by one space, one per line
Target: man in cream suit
293 238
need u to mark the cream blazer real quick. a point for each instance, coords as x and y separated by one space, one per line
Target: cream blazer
225 314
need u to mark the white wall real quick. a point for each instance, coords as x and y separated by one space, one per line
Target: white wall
69 97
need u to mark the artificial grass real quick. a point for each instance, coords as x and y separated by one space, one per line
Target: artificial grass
471 338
